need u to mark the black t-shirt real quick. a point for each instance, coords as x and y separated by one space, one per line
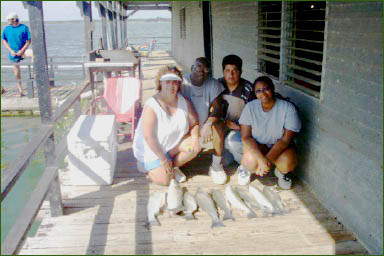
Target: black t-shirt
234 102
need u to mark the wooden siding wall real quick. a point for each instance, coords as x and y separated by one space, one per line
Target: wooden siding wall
185 51
341 144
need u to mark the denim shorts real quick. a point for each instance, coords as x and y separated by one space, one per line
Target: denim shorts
147 166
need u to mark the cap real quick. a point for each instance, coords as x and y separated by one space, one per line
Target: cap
12 15
170 76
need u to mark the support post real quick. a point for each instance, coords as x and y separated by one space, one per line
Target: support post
102 15
40 66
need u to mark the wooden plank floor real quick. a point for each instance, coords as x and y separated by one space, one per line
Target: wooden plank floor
111 219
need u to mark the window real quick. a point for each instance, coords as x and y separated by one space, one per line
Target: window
291 42
183 33
269 38
305 45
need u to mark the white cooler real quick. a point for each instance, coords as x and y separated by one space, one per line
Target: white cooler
92 150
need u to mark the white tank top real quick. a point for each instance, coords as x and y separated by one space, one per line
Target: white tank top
170 129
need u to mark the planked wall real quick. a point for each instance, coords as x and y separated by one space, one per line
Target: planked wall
341 145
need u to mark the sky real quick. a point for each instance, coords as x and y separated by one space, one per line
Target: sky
67 10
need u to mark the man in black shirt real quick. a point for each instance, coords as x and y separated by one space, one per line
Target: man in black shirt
237 92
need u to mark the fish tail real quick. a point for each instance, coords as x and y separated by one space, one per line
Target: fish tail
189 216
217 223
228 216
154 222
251 214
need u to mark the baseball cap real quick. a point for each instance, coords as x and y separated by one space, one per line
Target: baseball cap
170 76
12 15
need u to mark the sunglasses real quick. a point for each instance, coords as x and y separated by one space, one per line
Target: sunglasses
265 89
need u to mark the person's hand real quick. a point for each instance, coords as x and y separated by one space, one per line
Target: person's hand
13 53
231 125
20 53
195 145
206 132
168 166
263 166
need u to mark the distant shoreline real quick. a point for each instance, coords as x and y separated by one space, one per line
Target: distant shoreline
75 21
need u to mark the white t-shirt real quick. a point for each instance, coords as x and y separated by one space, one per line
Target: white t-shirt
170 129
268 127
201 96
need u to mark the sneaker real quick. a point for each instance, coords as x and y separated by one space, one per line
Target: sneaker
284 181
218 174
243 176
179 175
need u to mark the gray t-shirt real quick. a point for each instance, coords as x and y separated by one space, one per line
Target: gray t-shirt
201 96
268 127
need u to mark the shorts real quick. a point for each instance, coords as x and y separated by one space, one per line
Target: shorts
147 166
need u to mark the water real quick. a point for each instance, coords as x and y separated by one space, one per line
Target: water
63 39
67 39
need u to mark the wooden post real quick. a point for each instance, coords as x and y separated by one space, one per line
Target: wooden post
102 15
86 12
40 66
51 73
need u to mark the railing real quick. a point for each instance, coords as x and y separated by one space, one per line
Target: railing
163 42
48 182
62 70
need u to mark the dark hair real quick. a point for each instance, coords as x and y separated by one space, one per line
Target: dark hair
233 60
202 60
268 81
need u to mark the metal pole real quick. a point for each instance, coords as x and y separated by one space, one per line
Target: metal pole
40 66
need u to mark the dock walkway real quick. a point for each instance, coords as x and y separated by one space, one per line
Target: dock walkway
111 219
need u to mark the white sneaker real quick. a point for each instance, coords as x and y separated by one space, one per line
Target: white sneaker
243 176
179 175
284 181
218 174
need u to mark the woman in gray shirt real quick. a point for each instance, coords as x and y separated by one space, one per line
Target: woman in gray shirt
268 126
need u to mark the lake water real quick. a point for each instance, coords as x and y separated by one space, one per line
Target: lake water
62 39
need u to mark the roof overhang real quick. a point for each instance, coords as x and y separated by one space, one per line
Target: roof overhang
147 5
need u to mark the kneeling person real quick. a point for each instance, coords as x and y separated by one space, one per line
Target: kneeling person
268 126
165 123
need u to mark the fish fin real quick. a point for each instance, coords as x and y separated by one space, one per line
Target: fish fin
217 223
251 215
189 216
228 216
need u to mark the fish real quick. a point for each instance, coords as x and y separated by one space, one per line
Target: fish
174 197
155 204
219 198
266 205
275 200
190 206
248 199
235 201
205 202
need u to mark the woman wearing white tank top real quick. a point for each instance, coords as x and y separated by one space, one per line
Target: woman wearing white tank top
168 121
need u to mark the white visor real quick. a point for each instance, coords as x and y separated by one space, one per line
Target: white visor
170 76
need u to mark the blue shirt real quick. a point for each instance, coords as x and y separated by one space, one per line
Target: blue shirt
16 38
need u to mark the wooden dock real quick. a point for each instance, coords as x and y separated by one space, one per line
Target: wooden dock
111 219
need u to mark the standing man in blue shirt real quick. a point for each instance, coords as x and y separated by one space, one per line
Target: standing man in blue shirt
16 38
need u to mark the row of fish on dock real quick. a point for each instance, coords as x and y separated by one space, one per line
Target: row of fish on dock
177 200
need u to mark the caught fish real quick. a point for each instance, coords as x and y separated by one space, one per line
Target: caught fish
266 205
222 203
248 199
275 200
190 206
205 202
174 197
236 202
155 204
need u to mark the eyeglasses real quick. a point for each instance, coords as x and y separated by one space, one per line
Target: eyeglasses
264 89
199 68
